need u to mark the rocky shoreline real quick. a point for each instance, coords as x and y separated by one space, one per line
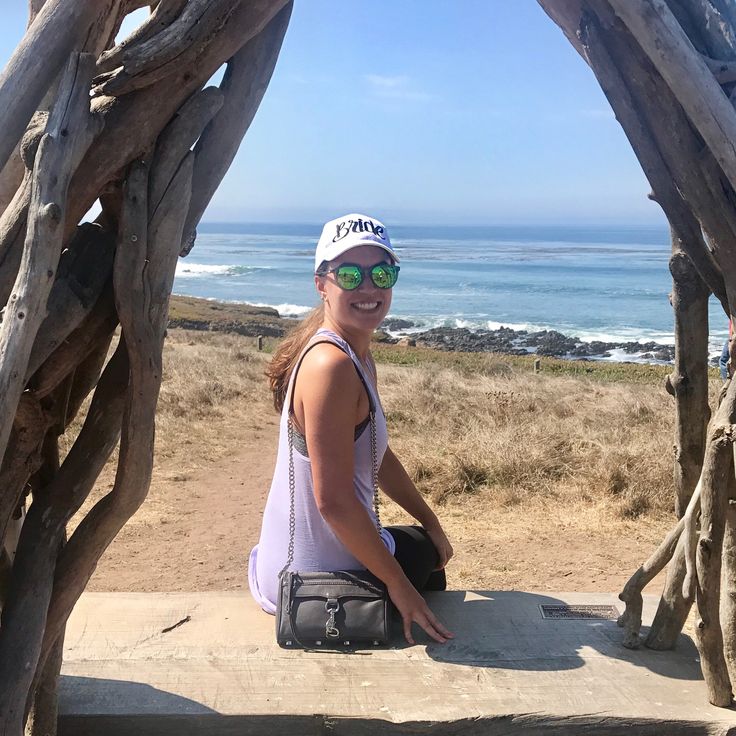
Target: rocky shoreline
521 342
202 314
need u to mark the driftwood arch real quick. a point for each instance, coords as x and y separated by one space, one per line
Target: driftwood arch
667 69
153 144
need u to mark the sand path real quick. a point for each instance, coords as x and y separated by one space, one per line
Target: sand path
196 528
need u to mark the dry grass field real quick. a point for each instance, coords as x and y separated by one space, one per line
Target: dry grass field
552 481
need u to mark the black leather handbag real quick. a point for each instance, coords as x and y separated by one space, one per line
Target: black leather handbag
331 610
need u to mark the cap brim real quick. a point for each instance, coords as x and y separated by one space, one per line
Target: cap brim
392 253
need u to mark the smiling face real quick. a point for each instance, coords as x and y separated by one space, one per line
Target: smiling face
361 309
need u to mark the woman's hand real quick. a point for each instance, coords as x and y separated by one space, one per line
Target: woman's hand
442 543
413 608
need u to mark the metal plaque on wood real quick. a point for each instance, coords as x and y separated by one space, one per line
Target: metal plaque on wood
606 613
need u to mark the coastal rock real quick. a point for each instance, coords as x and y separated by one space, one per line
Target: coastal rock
551 342
397 323
546 342
241 328
463 339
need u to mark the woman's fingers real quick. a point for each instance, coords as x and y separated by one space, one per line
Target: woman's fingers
407 630
431 625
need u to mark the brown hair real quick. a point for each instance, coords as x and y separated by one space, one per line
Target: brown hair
282 363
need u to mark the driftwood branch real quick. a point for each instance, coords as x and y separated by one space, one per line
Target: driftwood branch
723 71
638 94
244 84
717 469
160 18
95 329
145 264
85 267
659 34
689 378
35 63
728 592
631 595
23 457
24 615
179 44
61 294
68 135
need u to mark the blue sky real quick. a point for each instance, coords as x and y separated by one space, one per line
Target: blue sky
427 111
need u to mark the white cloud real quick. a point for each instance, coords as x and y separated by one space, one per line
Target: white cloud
398 87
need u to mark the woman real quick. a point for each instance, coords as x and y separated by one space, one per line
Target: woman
324 377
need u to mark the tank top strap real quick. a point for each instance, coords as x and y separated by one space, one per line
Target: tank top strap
325 335
366 378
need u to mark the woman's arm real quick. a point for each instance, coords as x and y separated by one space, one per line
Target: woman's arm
327 400
398 486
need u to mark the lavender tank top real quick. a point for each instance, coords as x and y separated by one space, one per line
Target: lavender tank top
316 546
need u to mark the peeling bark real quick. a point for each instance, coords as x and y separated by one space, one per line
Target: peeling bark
689 379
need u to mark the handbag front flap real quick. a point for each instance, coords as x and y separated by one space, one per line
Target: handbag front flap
344 583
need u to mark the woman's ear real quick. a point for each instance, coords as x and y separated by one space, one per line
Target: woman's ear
319 282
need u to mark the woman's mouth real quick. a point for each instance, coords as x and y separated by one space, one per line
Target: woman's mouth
366 306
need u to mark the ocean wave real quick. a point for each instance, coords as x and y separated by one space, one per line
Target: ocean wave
286 310
199 270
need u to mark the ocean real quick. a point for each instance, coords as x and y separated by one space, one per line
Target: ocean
595 283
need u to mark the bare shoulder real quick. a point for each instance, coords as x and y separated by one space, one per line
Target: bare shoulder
329 367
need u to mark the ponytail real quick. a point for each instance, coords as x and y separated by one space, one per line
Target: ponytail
281 365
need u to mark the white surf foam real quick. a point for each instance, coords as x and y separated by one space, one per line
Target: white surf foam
196 270
286 310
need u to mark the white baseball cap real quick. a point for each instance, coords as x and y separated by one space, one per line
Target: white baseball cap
351 231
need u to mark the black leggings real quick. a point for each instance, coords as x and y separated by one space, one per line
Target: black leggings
418 557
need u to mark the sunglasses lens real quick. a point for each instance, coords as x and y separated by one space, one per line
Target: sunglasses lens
384 275
348 277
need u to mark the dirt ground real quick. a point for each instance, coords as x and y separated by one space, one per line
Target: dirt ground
202 518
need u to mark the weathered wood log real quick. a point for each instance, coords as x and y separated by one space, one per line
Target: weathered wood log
706 27
143 284
86 376
14 216
635 92
61 27
689 548
689 378
22 461
244 84
723 71
728 577
11 175
162 16
177 46
96 328
12 236
666 146
673 608
717 469
44 714
180 135
84 268
24 614
630 620
68 135
133 122
660 35
69 347
11 178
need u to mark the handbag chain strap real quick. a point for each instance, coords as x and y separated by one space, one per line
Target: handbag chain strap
292 483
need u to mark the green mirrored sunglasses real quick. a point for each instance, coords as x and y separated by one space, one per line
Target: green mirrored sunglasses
350 276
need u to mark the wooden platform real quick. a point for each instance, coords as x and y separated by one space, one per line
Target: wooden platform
207 663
